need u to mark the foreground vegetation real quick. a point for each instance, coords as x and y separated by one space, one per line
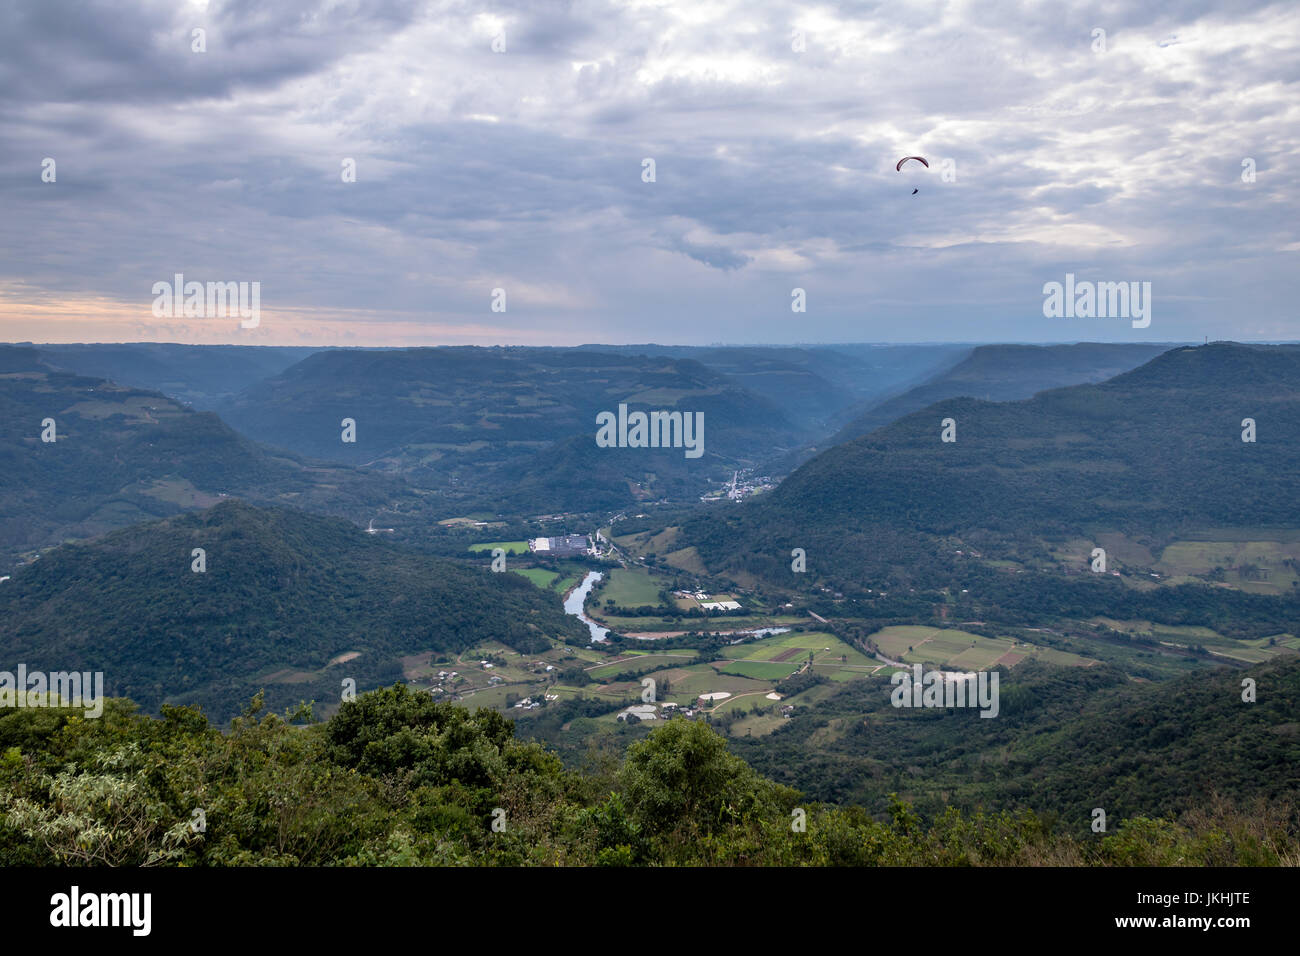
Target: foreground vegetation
395 778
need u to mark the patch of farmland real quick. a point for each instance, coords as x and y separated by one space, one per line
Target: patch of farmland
1183 559
542 577
963 651
632 587
895 641
842 674
1252 655
663 541
706 680
758 725
758 670
982 655
642 664
812 695
510 547
687 559
1050 655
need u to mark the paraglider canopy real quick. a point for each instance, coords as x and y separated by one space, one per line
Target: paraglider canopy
919 159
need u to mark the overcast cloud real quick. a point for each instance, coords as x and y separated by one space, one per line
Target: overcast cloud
522 169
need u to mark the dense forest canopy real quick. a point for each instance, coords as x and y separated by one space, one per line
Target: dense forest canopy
397 779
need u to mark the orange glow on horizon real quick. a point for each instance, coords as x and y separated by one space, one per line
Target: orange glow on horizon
27 315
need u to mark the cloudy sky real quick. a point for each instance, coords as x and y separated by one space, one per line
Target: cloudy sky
774 129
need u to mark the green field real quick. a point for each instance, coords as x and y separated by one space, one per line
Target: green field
644 663
757 696
750 670
812 695
846 674
1256 560
1185 636
759 725
1250 655
958 649
511 547
1183 559
703 679
827 649
559 581
570 580
539 576
760 671
632 624
632 587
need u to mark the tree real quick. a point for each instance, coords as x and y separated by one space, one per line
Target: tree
681 781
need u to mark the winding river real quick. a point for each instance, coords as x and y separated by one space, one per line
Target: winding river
578 597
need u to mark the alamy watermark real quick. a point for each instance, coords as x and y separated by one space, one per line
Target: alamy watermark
75 908
59 689
216 300
651 430
941 689
1098 300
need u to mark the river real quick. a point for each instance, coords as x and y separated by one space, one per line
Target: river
577 599
573 604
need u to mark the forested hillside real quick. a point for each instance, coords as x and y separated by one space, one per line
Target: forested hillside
1151 454
287 601
120 455
1068 739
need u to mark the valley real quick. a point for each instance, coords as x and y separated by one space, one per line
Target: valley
702 443
773 618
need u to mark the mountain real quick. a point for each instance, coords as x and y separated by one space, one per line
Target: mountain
815 386
201 376
509 429
1068 739
1151 454
123 455
1004 373
510 424
283 597
787 377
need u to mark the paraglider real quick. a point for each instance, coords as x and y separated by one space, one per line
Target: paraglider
919 159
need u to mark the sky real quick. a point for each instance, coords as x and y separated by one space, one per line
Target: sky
503 146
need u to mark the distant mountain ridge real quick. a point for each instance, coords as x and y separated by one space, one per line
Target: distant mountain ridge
201 376
1007 373
817 386
509 425
124 455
